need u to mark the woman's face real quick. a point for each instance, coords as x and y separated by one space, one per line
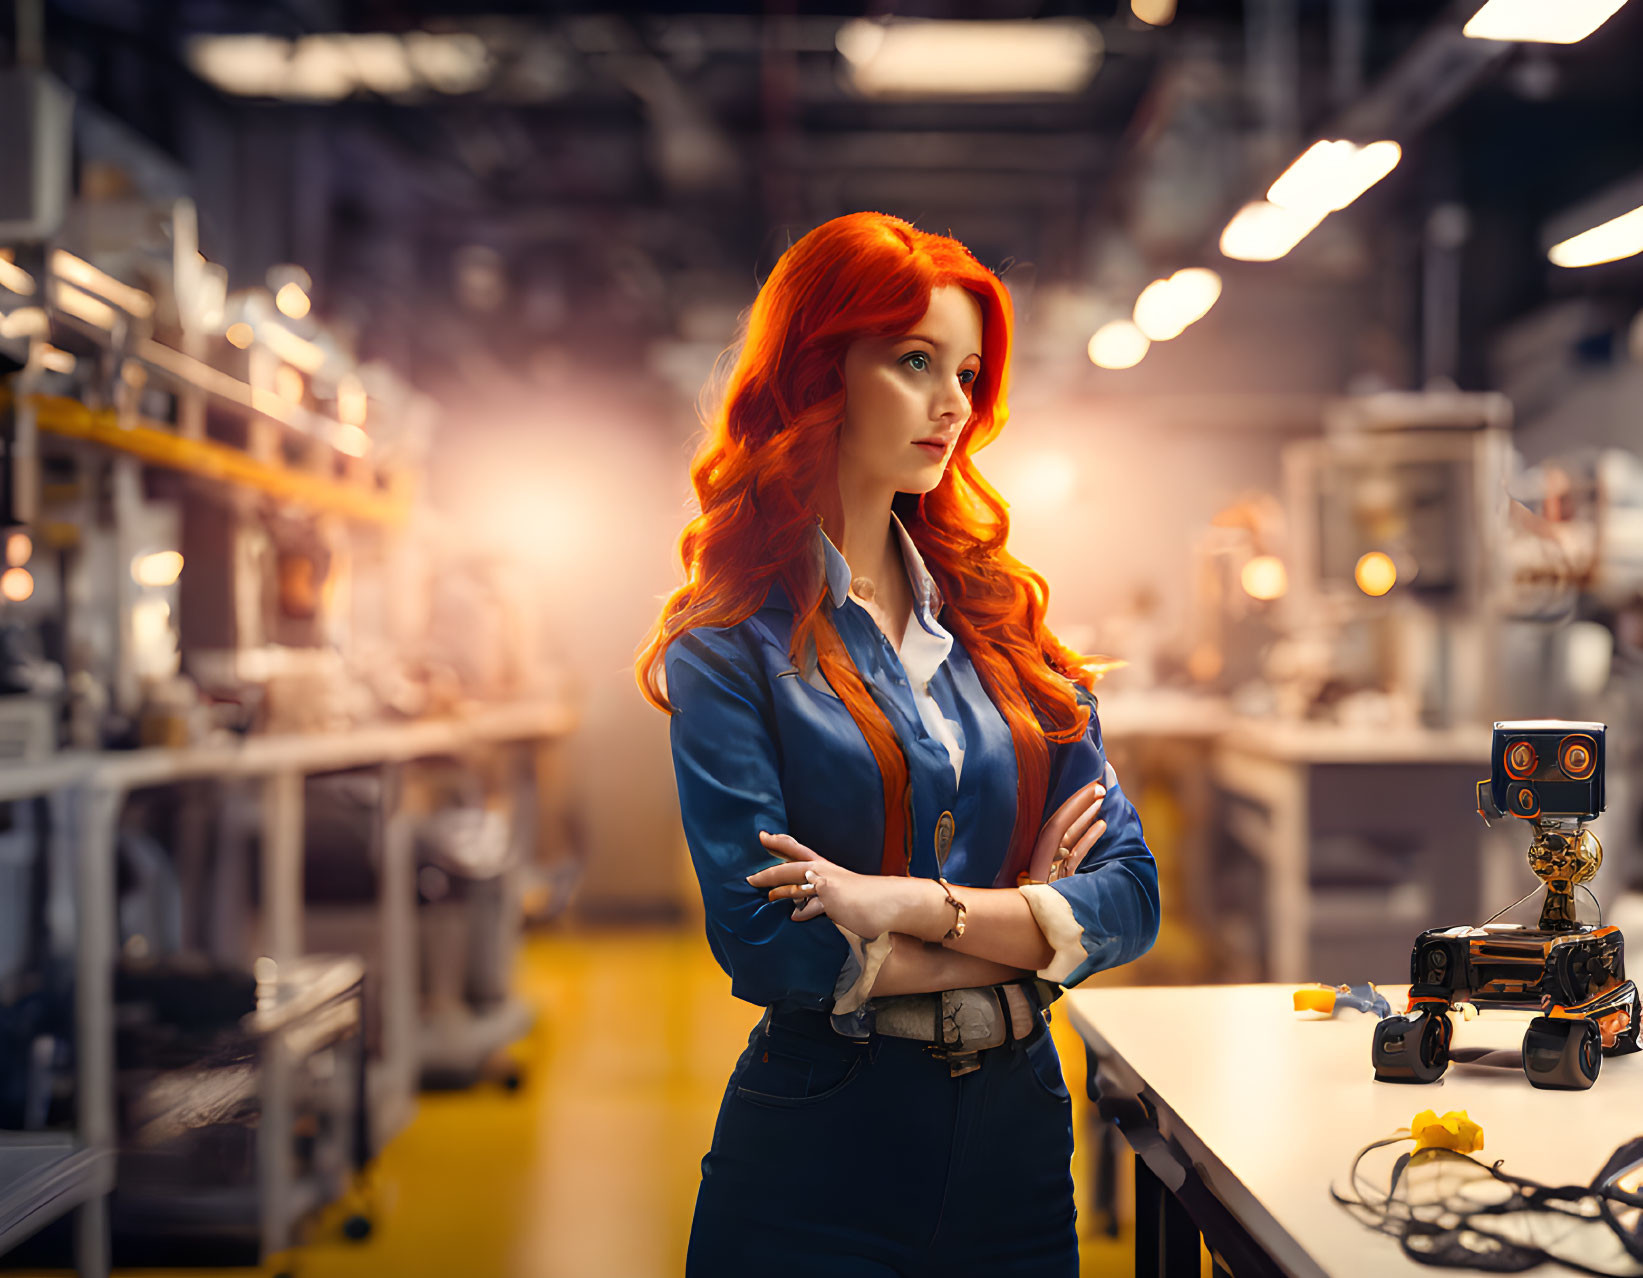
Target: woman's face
907 398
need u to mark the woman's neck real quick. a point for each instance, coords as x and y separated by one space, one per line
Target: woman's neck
868 543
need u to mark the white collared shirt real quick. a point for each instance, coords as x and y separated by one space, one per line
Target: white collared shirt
925 642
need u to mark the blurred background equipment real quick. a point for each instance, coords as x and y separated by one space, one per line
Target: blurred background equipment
351 357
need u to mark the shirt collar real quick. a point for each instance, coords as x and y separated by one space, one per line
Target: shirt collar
927 598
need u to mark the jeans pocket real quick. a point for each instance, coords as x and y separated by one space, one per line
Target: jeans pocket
1045 1066
782 1074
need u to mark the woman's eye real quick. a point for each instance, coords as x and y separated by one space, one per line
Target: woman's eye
918 361
967 376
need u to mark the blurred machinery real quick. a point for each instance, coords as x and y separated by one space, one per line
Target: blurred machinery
240 665
1576 635
1400 602
1397 536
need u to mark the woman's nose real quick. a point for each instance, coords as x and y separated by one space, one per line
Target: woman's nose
952 402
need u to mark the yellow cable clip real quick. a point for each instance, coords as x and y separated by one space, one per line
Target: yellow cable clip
1453 1131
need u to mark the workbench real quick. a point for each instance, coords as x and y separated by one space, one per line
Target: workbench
1242 1113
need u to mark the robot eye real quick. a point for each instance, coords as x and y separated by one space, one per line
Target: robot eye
1521 760
1577 757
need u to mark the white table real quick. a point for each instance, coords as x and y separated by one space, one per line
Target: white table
1267 1108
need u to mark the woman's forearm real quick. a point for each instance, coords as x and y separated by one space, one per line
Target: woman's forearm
998 925
916 967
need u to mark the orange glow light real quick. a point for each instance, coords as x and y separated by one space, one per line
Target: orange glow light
1376 573
16 584
1265 578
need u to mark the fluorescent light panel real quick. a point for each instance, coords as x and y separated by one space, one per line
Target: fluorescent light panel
1540 21
1328 175
921 58
1609 242
1166 307
1119 344
1264 232
330 67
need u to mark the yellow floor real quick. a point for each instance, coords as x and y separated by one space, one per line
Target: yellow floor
590 1170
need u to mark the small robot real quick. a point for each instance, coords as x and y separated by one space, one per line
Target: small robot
1549 774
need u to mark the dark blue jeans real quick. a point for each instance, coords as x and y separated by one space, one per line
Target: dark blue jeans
841 1159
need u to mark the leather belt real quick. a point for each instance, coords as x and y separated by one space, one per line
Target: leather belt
960 1024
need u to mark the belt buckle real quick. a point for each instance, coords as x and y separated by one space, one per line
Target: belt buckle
971 1020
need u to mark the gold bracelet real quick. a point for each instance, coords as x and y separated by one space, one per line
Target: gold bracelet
957 930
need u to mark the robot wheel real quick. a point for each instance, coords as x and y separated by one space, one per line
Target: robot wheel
1562 1054
1411 1048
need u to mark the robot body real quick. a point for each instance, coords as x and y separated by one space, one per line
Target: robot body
1549 774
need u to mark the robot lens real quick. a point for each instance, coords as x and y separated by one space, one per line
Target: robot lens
1523 801
1577 758
1521 760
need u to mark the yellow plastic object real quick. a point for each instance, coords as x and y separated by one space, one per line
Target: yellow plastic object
1453 1131
1316 998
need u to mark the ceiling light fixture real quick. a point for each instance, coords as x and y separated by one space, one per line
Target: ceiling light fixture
1540 21
1119 344
1155 13
1166 307
337 65
1328 176
924 58
1264 232
1608 242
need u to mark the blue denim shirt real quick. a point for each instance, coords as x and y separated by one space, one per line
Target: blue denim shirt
758 746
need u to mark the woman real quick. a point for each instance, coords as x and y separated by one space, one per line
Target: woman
871 722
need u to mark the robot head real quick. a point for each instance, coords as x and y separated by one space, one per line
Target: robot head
1544 769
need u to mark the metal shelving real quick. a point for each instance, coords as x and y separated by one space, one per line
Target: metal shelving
44 1175
41 1177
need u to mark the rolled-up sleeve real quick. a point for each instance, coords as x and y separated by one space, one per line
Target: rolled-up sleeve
1106 914
729 783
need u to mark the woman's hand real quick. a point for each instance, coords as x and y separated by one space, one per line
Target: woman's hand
867 904
1068 835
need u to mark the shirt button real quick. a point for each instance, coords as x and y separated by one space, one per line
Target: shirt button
944 837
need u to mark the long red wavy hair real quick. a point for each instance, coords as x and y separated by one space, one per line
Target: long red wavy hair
768 466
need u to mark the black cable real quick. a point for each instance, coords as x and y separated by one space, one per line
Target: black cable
1437 1233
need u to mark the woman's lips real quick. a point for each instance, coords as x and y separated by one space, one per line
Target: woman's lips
935 450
